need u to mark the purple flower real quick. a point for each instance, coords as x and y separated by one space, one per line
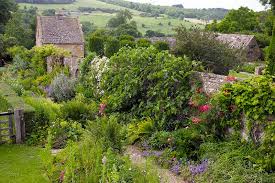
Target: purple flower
146 153
157 153
176 169
198 169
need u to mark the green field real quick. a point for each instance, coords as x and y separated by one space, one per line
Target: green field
100 19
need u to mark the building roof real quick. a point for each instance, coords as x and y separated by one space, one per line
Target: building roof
60 30
235 40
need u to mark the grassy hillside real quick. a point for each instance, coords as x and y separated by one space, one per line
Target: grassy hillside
100 19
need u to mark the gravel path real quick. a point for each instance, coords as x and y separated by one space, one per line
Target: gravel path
166 176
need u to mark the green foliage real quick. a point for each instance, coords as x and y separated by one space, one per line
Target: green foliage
148 83
151 33
5 43
160 140
143 43
248 67
202 46
127 29
88 27
162 45
96 44
61 131
139 130
45 113
6 9
230 161
62 88
121 18
4 104
239 20
127 40
111 47
22 27
270 60
107 131
254 98
49 12
78 110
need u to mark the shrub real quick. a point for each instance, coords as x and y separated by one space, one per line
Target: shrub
139 130
270 59
45 112
61 131
62 88
143 43
160 140
151 33
111 47
108 131
202 46
96 44
77 110
147 83
161 45
127 43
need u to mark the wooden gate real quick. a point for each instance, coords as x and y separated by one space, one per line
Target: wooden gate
12 127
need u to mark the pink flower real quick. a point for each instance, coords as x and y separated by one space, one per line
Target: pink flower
204 108
102 108
196 120
231 78
61 176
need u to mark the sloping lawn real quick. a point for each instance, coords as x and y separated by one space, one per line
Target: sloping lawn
20 164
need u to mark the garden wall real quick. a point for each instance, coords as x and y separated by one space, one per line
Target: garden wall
211 83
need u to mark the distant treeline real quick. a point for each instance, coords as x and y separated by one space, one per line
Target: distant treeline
46 1
90 10
176 12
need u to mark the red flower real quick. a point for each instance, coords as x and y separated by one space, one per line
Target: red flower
61 176
196 120
199 90
204 108
102 108
231 78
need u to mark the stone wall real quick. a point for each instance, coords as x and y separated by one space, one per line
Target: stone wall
211 83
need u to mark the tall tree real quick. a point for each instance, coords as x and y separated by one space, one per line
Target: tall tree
271 52
121 18
6 9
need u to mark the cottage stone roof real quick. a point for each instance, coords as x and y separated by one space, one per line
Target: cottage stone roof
60 30
235 40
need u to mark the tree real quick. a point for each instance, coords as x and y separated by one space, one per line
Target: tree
22 27
88 27
6 9
111 47
151 33
121 17
96 44
127 29
270 58
161 45
48 12
202 46
239 20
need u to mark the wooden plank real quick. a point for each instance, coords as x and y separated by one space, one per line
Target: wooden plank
18 117
10 127
6 113
4 121
3 129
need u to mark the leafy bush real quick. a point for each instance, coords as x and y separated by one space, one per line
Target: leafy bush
78 110
111 47
96 44
143 43
45 113
147 82
62 88
61 131
160 140
230 161
162 45
270 58
108 131
202 46
139 130
248 67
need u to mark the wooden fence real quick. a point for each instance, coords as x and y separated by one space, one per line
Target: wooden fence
12 127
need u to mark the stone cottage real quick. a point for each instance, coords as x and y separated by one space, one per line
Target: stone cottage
63 32
241 41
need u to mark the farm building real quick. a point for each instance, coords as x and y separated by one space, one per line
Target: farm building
63 32
238 41
241 41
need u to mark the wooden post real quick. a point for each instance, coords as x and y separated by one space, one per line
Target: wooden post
19 125
11 135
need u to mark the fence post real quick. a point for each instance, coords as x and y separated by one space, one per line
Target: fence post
19 125
10 126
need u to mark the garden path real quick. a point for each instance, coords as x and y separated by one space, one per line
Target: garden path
166 176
